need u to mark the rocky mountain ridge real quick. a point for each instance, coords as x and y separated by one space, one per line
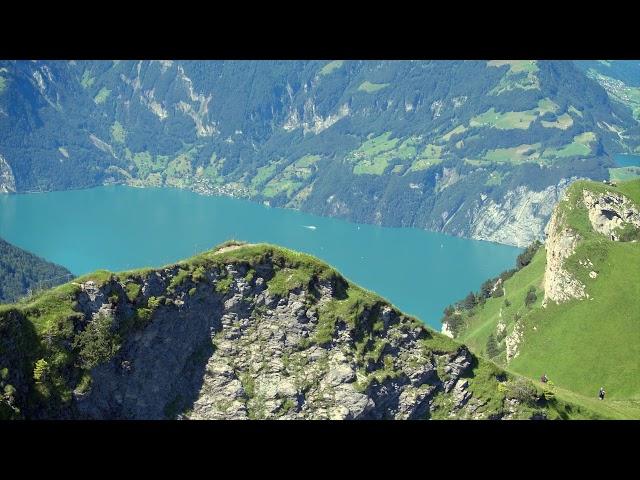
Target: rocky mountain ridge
244 331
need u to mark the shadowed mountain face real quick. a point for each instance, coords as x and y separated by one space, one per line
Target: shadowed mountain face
242 331
620 79
473 148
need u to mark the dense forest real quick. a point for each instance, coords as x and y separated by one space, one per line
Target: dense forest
387 142
22 272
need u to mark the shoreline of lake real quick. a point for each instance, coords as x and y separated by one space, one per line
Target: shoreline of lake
118 227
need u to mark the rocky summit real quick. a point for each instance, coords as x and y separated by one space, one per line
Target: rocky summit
242 332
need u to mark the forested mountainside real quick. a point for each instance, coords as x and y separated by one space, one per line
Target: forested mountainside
472 148
22 271
571 309
244 331
627 71
620 79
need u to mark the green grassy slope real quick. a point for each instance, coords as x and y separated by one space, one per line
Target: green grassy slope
485 319
584 344
581 344
40 333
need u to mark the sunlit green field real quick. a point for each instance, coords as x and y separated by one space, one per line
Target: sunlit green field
585 343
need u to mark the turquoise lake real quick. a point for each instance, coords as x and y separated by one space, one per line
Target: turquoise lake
120 228
627 160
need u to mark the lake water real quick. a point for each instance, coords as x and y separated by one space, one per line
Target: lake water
627 160
119 228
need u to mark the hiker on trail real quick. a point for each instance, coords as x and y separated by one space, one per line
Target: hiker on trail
544 378
601 393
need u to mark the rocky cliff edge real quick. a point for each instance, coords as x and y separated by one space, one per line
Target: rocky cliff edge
240 332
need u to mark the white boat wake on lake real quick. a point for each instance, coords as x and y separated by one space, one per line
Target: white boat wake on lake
310 227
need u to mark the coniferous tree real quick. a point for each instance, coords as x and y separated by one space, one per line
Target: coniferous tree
531 297
492 346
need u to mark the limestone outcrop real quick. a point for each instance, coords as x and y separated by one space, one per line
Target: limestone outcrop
520 218
243 354
7 180
610 212
559 284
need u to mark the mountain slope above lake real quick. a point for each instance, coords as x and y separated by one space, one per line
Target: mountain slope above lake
22 271
481 149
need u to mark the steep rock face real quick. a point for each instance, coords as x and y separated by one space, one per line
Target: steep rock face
560 285
587 340
520 218
7 180
609 214
512 341
216 354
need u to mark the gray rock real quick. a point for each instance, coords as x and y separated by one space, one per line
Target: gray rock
243 355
